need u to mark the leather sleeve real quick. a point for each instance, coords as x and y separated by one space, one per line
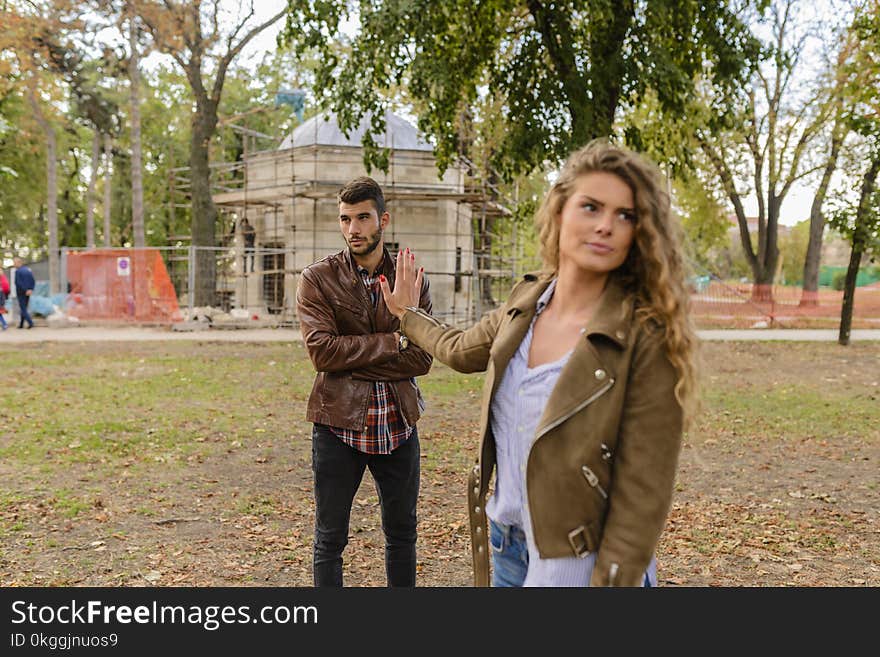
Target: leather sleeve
645 464
413 362
462 350
329 351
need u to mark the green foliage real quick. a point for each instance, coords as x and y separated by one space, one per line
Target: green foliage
704 221
559 72
22 176
166 118
855 210
838 280
793 247
844 215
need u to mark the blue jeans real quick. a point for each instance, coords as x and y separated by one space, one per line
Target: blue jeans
338 471
23 301
510 556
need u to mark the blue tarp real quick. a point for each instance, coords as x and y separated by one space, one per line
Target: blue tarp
41 304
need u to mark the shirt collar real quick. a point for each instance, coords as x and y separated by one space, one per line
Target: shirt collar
366 274
613 317
544 299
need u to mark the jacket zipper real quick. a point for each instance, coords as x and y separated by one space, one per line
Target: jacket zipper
576 409
593 480
365 298
421 312
612 573
555 424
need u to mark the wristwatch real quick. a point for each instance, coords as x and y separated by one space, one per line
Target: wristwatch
402 342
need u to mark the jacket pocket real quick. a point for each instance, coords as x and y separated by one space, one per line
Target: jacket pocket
350 307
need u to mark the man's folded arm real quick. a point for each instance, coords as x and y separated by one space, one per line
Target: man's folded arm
329 351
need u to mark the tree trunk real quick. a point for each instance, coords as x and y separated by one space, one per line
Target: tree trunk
810 293
762 288
90 196
137 185
204 213
52 209
51 190
859 242
768 252
108 179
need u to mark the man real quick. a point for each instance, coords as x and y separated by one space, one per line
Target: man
24 287
365 401
250 235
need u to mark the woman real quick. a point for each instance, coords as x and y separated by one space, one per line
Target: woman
590 378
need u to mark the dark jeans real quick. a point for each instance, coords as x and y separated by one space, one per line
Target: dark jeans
23 301
338 471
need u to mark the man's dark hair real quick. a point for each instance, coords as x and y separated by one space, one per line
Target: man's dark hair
361 189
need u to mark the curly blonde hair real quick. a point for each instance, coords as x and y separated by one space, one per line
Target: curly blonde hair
654 269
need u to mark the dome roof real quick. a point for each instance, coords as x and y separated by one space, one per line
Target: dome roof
324 130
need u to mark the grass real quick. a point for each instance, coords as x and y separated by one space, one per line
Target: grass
791 412
144 403
138 405
107 440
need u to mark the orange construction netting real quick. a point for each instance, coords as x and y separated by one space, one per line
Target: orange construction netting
718 304
122 285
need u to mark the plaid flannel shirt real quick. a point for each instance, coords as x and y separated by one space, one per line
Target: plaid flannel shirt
385 428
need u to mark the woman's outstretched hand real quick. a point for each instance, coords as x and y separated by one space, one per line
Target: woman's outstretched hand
407 284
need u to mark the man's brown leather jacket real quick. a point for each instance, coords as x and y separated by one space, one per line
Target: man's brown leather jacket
351 344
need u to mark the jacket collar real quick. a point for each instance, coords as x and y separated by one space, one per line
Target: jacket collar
613 316
387 265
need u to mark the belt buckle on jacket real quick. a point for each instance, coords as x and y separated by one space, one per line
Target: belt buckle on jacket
581 546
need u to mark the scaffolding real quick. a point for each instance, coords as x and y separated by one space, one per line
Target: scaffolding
452 221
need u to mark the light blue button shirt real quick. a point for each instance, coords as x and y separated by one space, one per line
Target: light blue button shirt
516 409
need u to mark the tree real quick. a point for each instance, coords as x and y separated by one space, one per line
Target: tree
862 226
703 219
108 180
22 167
137 182
31 33
770 143
837 133
562 71
793 250
93 105
192 35
51 179
813 253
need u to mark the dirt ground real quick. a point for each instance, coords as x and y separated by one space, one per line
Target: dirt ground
755 504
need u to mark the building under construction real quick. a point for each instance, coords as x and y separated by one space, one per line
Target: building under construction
288 195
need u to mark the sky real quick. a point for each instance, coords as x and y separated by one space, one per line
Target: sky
795 207
263 10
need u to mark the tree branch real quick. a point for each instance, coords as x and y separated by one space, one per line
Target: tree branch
726 176
226 60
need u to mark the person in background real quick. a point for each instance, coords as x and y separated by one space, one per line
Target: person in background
24 288
4 294
250 235
591 376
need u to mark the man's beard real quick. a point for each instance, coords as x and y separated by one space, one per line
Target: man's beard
367 245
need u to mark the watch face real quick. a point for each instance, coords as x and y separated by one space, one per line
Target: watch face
404 342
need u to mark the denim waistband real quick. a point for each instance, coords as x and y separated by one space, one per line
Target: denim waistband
510 531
